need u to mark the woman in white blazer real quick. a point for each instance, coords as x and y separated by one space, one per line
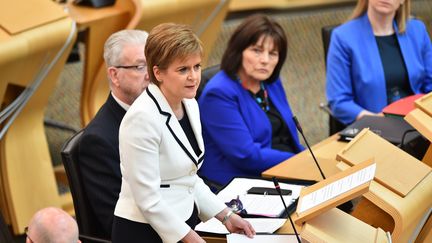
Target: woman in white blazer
161 149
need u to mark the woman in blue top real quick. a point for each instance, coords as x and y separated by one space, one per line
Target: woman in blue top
379 56
247 121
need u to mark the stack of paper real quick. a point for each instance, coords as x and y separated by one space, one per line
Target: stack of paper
237 238
261 225
265 205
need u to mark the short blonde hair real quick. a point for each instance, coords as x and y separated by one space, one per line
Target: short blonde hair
167 42
402 14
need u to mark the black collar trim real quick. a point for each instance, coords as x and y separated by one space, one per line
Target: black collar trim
168 115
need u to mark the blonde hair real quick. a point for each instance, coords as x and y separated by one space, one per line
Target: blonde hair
167 42
402 14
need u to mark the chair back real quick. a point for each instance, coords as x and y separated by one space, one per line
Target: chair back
5 234
326 34
326 31
206 75
85 216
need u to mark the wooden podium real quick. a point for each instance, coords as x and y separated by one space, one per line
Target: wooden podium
399 199
381 207
421 119
336 226
35 40
322 222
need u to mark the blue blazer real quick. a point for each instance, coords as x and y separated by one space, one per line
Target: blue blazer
237 132
355 76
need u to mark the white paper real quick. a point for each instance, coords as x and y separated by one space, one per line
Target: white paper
259 204
237 238
261 225
337 188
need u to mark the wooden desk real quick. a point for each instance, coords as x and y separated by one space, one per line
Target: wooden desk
392 209
302 165
27 176
285 229
98 24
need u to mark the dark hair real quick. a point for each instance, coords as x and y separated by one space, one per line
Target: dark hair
247 34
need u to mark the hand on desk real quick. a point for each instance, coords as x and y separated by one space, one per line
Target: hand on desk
368 113
235 223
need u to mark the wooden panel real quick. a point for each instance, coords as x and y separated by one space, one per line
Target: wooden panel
403 215
427 158
396 169
336 226
302 166
205 17
19 15
98 25
333 202
241 5
421 121
373 215
426 233
425 103
27 176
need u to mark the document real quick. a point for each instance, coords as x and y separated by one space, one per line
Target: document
337 188
261 225
273 238
266 205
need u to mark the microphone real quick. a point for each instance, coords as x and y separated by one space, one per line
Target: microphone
347 206
297 124
276 184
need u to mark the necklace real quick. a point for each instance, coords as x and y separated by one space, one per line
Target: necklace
261 97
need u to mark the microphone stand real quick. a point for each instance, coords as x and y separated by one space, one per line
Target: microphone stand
346 207
297 124
276 184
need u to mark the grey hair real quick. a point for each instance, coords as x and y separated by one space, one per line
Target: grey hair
115 43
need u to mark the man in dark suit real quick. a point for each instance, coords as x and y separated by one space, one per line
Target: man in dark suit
99 158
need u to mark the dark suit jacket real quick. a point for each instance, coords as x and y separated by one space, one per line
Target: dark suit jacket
100 163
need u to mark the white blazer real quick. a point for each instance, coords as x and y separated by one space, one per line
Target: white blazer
159 167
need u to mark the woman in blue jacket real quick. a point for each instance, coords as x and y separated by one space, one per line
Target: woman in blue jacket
247 121
376 58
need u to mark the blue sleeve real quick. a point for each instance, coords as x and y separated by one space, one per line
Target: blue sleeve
339 85
427 57
224 124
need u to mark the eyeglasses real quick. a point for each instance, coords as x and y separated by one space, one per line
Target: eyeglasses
26 232
236 206
138 68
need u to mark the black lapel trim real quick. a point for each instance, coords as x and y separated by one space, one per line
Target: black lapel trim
168 115
117 110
